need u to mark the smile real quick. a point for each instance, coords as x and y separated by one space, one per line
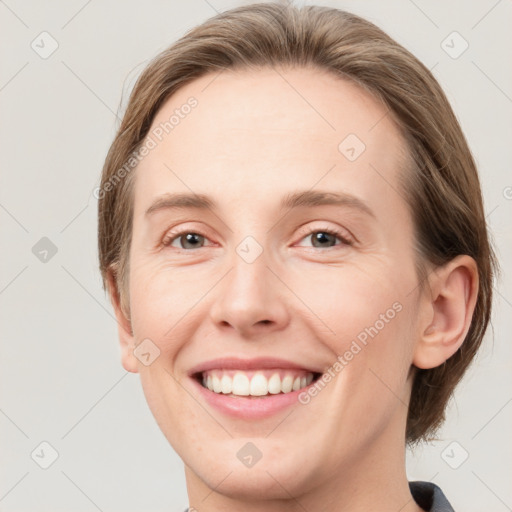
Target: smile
256 383
252 389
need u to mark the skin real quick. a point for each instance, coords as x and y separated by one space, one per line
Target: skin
254 137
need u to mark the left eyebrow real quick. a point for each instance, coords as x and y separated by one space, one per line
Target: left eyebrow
304 198
311 198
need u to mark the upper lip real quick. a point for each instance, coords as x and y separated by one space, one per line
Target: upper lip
258 363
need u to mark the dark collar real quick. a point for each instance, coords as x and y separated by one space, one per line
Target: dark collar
429 497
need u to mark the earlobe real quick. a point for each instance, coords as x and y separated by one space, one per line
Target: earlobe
124 328
454 293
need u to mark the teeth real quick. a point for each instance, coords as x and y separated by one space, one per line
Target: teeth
240 385
274 384
216 384
259 383
227 384
287 384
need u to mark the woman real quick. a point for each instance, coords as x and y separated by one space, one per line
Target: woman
292 234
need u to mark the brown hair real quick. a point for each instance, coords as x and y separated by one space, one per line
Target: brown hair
441 185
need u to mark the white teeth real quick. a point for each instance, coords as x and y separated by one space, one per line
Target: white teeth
287 384
216 384
274 384
259 385
240 384
227 384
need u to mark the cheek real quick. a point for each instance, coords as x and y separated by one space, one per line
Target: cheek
164 299
365 316
349 299
376 356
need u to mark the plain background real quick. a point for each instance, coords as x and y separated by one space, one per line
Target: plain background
61 380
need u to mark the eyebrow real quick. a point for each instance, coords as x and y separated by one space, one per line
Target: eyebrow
305 198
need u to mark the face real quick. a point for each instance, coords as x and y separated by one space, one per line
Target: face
298 266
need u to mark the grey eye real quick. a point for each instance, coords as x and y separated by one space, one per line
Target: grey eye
190 240
323 239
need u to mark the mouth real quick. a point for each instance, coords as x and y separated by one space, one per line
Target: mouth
259 383
252 389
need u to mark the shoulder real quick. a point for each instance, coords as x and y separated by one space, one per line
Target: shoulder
430 497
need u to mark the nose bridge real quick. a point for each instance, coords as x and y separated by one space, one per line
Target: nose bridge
250 273
250 295
248 283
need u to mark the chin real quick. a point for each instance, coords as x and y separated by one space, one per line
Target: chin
253 484
271 477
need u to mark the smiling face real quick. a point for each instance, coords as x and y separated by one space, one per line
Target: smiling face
302 251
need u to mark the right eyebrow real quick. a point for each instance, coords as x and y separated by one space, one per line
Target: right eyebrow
180 201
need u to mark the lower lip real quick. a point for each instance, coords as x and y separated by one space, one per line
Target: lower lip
250 407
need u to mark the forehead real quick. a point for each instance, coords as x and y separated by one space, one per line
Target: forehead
268 131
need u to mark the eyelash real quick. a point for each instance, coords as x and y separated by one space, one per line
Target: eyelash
173 235
330 231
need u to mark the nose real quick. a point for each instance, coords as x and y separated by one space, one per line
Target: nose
251 299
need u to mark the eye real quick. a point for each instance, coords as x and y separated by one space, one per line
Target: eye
186 240
327 238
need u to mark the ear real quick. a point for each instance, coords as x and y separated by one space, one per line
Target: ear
124 328
448 313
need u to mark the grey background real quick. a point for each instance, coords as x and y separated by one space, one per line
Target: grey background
61 380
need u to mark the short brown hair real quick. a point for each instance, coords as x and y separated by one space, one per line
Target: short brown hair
441 183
